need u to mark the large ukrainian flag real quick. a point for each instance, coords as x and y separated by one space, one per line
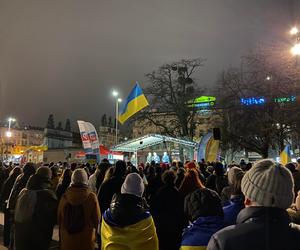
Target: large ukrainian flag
135 102
285 156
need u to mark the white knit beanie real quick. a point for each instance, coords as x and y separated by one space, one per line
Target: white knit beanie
269 184
133 184
233 173
79 177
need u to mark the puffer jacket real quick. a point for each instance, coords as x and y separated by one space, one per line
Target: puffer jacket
197 235
259 228
84 240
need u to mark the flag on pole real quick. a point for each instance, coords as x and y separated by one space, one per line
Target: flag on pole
89 138
285 156
135 102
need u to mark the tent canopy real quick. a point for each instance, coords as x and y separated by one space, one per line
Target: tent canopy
148 141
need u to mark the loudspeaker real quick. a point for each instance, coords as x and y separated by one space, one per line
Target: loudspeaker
217 133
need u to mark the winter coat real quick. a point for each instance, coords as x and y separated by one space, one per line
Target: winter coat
168 215
6 189
35 215
108 189
259 228
84 240
231 211
128 225
197 235
93 181
296 177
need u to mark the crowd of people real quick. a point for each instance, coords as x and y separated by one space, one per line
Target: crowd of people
154 206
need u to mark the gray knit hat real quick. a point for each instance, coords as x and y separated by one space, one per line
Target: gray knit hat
233 173
133 184
79 177
269 184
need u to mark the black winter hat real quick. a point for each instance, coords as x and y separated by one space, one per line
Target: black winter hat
203 202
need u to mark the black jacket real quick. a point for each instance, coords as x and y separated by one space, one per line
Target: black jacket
127 209
259 228
168 215
107 190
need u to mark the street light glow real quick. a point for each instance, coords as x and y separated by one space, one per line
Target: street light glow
268 78
11 119
119 100
115 93
294 31
295 50
8 134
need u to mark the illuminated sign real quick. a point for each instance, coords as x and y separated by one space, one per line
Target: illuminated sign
285 99
202 102
253 101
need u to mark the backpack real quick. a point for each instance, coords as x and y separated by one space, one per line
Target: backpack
73 217
25 206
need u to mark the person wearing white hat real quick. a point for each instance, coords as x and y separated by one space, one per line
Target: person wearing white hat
264 223
127 223
78 214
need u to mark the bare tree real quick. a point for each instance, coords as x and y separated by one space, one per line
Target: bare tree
265 123
170 89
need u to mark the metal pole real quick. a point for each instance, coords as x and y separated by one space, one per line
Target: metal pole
117 111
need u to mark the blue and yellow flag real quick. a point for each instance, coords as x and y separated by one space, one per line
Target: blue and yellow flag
285 156
135 102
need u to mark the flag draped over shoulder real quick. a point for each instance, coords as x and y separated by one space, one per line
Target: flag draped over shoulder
135 102
285 156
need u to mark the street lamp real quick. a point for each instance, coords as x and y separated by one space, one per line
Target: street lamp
295 50
10 120
118 100
294 31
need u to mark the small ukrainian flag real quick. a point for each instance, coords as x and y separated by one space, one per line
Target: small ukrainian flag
285 156
135 102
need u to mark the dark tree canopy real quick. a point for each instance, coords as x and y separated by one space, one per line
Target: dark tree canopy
104 121
59 126
257 127
50 122
68 125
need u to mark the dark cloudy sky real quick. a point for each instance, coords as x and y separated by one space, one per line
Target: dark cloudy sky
66 56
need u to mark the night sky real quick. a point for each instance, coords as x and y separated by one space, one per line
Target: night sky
66 56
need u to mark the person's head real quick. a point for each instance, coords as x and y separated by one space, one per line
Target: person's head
190 165
291 166
120 168
268 184
191 181
44 172
109 173
66 177
54 171
218 168
203 203
15 171
133 185
168 177
298 160
235 176
29 169
79 178
103 166
73 166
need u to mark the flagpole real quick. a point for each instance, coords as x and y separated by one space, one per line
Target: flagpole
117 111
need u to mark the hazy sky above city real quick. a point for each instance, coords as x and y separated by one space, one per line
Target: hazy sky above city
66 56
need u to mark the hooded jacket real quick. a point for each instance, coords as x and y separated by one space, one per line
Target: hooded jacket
197 235
259 228
84 240
35 215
